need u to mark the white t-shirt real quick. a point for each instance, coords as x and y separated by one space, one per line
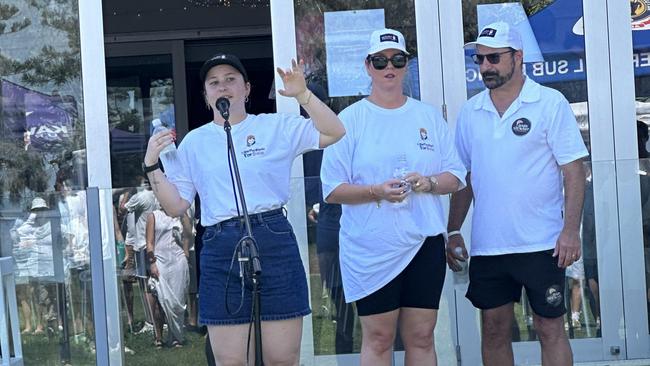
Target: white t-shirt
140 205
377 243
515 165
266 145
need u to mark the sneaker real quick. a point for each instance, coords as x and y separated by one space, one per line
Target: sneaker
575 320
576 323
324 311
146 328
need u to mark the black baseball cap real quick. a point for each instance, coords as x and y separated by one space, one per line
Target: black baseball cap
222 59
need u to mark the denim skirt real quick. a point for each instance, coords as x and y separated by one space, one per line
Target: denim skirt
283 284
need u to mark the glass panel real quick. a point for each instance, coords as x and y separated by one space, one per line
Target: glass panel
43 223
332 39
161 312
553 56
140 89
640 12
336 327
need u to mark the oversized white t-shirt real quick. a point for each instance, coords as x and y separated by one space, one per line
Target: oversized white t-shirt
266 145
515 164
377 243
140 205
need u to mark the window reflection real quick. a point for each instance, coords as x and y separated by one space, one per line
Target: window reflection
42 177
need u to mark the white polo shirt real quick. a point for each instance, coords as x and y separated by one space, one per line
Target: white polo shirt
515 164
266 146
377 243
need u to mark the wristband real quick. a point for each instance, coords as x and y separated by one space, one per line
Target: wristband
453 232
148 169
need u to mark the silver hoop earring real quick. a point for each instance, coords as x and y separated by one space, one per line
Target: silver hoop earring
246 100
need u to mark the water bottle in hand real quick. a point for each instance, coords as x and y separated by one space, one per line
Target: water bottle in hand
168 154
458 251
399 172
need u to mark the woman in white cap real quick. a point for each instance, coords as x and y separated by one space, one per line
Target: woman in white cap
266 145
389 171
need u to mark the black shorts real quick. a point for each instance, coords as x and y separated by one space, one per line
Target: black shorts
419 285
591 269
497 280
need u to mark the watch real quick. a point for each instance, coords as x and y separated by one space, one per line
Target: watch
148 169
434 183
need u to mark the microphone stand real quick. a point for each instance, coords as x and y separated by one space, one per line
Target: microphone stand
248 254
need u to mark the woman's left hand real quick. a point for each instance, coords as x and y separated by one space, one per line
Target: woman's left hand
419 183
293 79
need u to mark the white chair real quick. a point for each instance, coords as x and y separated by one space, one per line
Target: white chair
8 301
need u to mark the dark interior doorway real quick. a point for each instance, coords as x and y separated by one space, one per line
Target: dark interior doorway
256 55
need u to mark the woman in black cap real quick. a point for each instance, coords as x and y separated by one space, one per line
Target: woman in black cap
266 146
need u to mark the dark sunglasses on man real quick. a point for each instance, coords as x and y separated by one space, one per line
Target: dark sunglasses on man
380 62
493 58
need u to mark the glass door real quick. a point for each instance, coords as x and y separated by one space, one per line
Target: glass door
559 54
630 40
332 38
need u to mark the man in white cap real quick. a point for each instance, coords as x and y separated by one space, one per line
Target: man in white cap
523 151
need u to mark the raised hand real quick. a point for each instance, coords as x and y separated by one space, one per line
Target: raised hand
293 79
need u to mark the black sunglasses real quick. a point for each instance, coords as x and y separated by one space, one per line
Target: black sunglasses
379 62
493 58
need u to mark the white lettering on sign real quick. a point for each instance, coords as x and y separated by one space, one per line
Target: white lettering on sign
581 66
643 59
472 75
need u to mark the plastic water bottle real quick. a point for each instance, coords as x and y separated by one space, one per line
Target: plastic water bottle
399 172
461 277
168 154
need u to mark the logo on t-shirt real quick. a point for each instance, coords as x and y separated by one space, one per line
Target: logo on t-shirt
423 134
521 126
553 295
250 140
252 151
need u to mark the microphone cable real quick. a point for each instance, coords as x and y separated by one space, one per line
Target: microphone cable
237 249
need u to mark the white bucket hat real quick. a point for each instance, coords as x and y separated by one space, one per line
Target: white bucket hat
38 203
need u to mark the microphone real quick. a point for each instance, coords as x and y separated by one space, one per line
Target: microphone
223 105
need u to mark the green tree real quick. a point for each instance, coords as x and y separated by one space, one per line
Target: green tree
50 70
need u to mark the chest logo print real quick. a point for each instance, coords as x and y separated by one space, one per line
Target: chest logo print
423 134
253 150
250 140
424 144
521 126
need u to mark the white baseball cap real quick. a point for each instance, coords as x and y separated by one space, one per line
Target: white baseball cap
383 39
498 35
